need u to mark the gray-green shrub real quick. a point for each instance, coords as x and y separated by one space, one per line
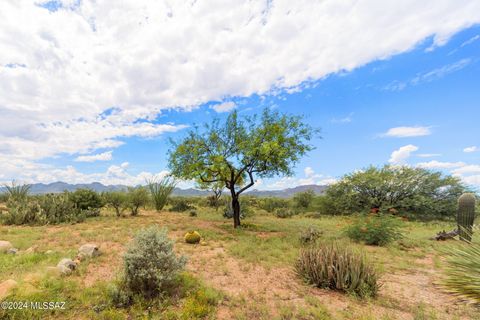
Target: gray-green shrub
150 264
337 267
136 198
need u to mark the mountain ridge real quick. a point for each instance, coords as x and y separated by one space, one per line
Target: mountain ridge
59 186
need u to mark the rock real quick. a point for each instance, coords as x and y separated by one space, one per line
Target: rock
88 250
66 266
5 246
6 287
12 251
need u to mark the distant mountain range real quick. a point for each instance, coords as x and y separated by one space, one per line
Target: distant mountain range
57 187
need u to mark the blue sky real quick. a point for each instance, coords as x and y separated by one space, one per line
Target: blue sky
414 101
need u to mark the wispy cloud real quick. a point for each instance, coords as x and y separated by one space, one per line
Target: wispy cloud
434 164
470 149
343 120
105 156
429 76
428 155
224 107
471 40
404 132
402 154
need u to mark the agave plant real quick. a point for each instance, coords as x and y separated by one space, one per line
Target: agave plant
463 271
17 191
161 189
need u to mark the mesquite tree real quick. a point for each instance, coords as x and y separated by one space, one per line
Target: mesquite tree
238 151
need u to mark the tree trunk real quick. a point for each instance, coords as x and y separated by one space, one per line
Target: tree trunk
236 210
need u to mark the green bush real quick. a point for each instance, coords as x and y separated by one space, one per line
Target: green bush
375 229
86 199
245 210
136 198
310 236
41 210
117 200
284 213
463 271
303 200
180 204
160 190
337 267
150 264
270 204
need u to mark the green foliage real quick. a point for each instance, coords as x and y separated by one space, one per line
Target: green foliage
284 213
117 200
408 190
136 198
375 229
303 200
463 271
160 190
338 267
310 236
41 210
180 204
466 216
325 205
150 264
87 200
271 203
17 192
233 152
193 213
192 237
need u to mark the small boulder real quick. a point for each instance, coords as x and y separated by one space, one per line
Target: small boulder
88 250
6 287
5 246
66 266
12 251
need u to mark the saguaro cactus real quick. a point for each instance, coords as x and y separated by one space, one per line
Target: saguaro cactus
466 215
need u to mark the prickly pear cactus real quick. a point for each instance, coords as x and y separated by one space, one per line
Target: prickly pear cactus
466 215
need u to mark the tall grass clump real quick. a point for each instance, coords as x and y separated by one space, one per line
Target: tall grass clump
17 191
150 264
160 190
462 271
337 267
375 229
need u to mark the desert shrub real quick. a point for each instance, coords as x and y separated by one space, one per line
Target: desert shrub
160 190
284 213
245 210
375 229
303 200
463 271
270 204
136 198
150 264
310 235
3 197
338 267
86 199
193 213
192 237
324 205
117 200
180 204
41 210
16 191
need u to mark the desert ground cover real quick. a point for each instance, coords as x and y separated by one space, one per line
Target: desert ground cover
243 273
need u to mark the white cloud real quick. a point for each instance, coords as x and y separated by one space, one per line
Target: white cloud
402 154
428 155
289 182
467 169
470 149
105 156
343 120
224 107
429 76
61 72
434 164
404 132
